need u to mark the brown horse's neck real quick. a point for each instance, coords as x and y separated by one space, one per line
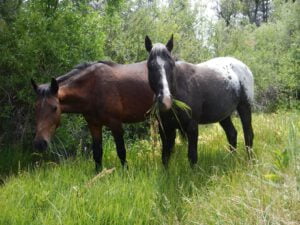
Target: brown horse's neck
71 100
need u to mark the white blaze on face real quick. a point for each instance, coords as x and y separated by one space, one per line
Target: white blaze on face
166 98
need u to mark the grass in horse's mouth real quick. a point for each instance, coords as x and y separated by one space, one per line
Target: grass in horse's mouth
177 104
153 112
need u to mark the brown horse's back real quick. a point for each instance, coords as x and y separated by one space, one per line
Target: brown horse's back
123 94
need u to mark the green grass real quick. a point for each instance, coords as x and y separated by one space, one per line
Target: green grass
224 188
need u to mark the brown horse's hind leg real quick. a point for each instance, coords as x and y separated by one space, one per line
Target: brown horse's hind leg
96 132
117 132
244 110
230 131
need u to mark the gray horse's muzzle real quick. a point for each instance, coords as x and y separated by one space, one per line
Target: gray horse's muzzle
164 102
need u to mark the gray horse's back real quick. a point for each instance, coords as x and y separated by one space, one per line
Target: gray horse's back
214 88
235 72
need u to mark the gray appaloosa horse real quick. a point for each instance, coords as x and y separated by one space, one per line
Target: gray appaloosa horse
213 90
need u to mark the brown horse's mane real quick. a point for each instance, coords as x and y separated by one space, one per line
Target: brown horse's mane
109 63
44 89
81 67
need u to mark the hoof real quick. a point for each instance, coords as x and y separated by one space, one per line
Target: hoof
166 166
193 165
250 153
232 149
98 168
125 166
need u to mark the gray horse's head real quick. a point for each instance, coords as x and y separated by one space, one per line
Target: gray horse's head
161 71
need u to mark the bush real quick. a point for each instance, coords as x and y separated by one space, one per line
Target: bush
41 45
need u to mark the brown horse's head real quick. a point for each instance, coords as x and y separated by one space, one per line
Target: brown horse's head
47 113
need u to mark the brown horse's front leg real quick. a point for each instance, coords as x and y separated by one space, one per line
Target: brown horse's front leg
96 132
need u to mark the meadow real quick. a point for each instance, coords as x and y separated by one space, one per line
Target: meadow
44 39
224 187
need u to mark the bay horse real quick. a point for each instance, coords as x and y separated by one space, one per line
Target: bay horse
105 93
213 90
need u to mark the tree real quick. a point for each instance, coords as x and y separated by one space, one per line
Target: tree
257 11
9 9
228 9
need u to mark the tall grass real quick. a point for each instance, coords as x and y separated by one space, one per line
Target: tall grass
223 188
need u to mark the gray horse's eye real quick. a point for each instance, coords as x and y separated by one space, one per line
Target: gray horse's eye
152 63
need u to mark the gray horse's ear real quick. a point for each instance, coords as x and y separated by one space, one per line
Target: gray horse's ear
169 45
54 86
148 43
34 85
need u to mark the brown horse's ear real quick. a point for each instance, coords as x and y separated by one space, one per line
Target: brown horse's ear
34 85
54 86
148 44
169 45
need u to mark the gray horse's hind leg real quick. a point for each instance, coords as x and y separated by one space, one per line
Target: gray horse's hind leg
230 131
244 110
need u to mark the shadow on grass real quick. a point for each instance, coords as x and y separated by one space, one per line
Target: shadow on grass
15 159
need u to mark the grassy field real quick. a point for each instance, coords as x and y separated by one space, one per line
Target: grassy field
224 188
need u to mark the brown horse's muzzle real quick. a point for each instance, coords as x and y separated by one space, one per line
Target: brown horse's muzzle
40 144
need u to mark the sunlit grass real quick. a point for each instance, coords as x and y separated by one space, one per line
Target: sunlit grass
223 188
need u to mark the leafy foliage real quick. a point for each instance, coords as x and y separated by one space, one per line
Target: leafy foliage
272 53
41 44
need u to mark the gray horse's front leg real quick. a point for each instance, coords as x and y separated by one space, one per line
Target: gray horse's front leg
167 135
192 136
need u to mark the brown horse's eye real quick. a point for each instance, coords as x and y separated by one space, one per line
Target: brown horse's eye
54 108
